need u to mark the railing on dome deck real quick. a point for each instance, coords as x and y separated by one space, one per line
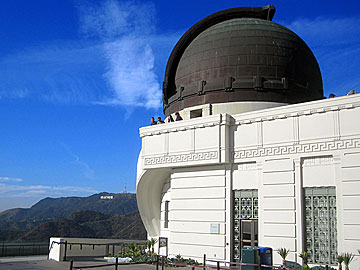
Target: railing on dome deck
23 249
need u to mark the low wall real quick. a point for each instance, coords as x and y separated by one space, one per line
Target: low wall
62 248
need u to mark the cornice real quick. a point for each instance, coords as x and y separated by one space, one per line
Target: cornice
304 112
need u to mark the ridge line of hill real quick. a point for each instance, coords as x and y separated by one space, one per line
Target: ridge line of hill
73 217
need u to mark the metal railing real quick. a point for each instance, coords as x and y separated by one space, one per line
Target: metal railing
161 261
23 249
116 264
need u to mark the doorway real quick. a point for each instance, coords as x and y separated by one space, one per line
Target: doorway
245 221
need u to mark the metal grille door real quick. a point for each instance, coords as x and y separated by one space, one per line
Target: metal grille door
245 221
320 227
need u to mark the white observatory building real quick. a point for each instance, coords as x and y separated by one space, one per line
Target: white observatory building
261 158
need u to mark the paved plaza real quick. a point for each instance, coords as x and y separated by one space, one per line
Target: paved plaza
41 262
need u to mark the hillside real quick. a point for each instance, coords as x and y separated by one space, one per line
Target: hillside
50 209
74 217
90 224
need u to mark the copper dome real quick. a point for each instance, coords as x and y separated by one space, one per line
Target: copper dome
239 54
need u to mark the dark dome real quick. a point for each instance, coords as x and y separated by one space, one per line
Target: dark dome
239 54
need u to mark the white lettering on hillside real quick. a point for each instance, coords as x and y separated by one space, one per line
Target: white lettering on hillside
106 197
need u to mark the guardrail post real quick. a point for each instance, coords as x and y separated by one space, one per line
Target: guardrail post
71 264
157 262
116 263
217 265
204 263
64 259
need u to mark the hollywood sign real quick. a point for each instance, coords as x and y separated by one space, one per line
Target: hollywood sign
106 197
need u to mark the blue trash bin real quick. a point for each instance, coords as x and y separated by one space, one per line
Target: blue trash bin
266 257
250 256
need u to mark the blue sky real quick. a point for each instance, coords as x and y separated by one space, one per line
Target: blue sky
78 79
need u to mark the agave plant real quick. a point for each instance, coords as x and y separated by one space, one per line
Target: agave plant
348 257
304 256
283 252
339 260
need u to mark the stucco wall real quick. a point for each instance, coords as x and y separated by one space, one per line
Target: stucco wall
197 201
278 151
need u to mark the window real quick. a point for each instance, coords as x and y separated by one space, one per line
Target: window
320 225
195 113
166 217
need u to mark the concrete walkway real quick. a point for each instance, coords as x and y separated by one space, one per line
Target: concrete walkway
41 263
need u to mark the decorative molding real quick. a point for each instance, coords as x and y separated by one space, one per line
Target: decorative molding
298 148
298 113
296 130
336 119
314 161
260 134
181 158
250 166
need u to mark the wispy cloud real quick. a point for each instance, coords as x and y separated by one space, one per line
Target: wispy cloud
85 168
88 172
10 179
115 60
131 73
111 18
67 72
327 31
336 45
125 28
14 93
11 191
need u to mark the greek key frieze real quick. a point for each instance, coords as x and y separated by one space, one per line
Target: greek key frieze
181 158
295 149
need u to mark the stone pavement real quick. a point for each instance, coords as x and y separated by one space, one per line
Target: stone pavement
41 263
